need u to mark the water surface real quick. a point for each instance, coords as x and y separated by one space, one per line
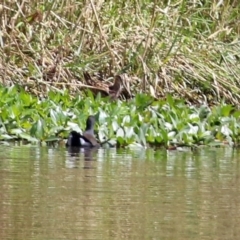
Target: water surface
52 193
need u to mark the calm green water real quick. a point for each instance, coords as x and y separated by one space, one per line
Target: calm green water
48 193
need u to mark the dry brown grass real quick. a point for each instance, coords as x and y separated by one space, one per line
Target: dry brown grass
187 48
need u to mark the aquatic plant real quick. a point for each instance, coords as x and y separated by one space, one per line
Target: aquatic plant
142 120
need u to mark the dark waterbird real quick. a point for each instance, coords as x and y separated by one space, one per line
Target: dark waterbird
120 86
87 139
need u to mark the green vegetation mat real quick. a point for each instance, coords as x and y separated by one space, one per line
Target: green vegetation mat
141 121
189 49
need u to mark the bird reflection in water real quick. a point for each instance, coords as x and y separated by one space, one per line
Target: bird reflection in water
76 153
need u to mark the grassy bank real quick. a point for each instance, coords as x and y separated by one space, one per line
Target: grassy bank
189 49
142 120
